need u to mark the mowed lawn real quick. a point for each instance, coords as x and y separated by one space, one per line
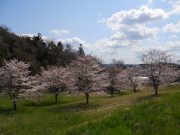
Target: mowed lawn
126 113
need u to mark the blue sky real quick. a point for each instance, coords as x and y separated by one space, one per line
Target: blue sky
110 29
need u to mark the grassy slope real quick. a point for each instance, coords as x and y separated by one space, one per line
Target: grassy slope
125 114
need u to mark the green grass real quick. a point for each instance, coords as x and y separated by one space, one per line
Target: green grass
125 114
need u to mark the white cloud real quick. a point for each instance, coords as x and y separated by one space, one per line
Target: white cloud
59 32
172 27
173 46
131 31
138 32
175 7
27 34
150 1
75 42
32 35
143 15
133 24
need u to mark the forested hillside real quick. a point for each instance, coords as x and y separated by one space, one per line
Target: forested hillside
35 50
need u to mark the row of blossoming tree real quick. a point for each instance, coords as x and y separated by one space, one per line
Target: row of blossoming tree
85 75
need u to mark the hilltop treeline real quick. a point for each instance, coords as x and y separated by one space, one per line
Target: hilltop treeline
35 50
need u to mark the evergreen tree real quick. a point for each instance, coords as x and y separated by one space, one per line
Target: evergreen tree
81 51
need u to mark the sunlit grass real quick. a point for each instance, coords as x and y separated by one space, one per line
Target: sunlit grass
125 113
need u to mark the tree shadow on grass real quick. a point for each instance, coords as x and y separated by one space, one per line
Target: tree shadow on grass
40 104
6 111
76 107
122 93
148 98
43 103
118 93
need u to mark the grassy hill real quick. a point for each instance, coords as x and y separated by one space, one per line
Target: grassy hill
125 114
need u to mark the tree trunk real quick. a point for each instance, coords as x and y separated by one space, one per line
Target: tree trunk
56 98
87 98
14 104
119 90
134 88
155 85
112 92
156 92
156 89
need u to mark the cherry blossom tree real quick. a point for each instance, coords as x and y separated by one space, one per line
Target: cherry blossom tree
37 90
157 66
132 77
129 78
114 80
56 80
14 79
89 75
